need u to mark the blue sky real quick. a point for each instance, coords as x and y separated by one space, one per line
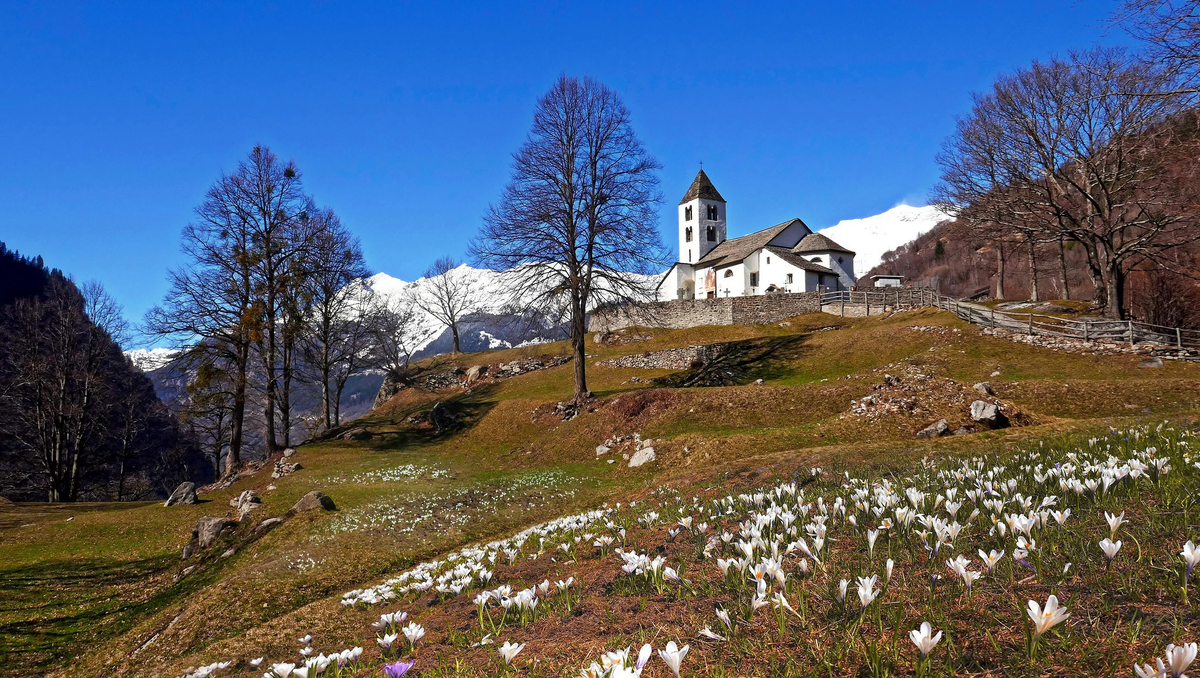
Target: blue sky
115 118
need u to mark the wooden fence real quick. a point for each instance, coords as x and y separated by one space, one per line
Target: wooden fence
1117 331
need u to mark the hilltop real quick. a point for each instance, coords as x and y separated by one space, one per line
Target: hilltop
842 394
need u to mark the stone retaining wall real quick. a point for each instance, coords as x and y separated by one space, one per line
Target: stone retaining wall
684 313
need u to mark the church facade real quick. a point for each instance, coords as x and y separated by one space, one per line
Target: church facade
787 257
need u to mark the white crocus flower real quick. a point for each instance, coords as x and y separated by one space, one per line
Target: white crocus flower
673 656
509 651
924 639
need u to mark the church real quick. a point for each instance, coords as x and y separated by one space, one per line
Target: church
786 257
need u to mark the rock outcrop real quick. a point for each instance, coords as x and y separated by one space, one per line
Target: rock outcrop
934 430
211 528
244 503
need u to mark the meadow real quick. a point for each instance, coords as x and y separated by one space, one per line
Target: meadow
763 498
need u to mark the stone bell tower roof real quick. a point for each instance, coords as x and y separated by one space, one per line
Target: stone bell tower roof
702 187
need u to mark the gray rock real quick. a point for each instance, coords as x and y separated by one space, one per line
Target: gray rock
313 501
476 371
228 552
988 414
244 503
267 525
642 456
356 434
444 416
963 430
289 452
184 494
602 450
189 549
985 387
283 468
1151 362
211 528
934 430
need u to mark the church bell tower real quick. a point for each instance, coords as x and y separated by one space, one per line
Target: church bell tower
701 220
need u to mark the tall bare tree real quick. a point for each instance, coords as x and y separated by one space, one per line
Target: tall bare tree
447 295
1170 30
212 303
1075 148
394 332
337 333
576 223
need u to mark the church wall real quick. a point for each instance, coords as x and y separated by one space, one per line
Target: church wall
775 272
682 314
731 280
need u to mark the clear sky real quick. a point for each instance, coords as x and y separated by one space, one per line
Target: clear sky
116 117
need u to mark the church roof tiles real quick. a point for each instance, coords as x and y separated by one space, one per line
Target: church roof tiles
815 242
701 187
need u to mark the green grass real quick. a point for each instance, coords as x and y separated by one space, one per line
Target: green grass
99 586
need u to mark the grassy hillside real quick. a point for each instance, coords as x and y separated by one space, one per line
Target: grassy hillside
100 590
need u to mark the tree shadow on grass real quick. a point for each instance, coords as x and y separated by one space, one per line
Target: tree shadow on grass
421 427
743 362
51 611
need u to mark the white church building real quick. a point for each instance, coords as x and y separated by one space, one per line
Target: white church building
787 257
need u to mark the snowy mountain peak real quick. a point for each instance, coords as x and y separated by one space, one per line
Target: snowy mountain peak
148 360
871 237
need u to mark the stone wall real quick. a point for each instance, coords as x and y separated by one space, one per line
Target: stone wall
683 313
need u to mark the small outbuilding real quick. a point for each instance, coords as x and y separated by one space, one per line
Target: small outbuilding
886 280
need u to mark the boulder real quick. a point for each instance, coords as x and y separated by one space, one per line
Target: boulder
474 372
313 501
287 454
602 450
210 528
244 503
184 494
988 414
934 430
1151 362
356 434
444 416
642 456
985 387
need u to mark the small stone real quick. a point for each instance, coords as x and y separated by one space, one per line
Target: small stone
602 450
984 387
612 461
996 373
228 552
244 503
963 430
1151 362
289 452
267 525
758 381
934 430
184 494
642 456
187 570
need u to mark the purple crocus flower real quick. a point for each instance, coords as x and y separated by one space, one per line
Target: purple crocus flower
397 669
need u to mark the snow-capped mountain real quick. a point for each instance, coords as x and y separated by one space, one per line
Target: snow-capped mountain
148 360
494 325
871 237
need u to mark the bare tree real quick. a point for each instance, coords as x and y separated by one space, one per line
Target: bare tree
447 295
105 312
337 336
576 223
1075 149
1170 30
394 332
211 306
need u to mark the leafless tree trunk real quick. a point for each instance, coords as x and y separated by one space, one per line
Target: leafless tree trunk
446 295
1062 269
336 335
576 221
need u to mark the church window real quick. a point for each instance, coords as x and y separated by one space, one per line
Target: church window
711 233
816 260
689 255
687 213
687 234
729 273
840 260
768 260
712 212
789 278
754 280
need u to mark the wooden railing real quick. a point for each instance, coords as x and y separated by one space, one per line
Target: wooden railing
1117 331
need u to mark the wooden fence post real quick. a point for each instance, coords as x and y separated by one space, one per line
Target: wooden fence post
993 318
1130 334
1031 324
1086 324
1178 339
